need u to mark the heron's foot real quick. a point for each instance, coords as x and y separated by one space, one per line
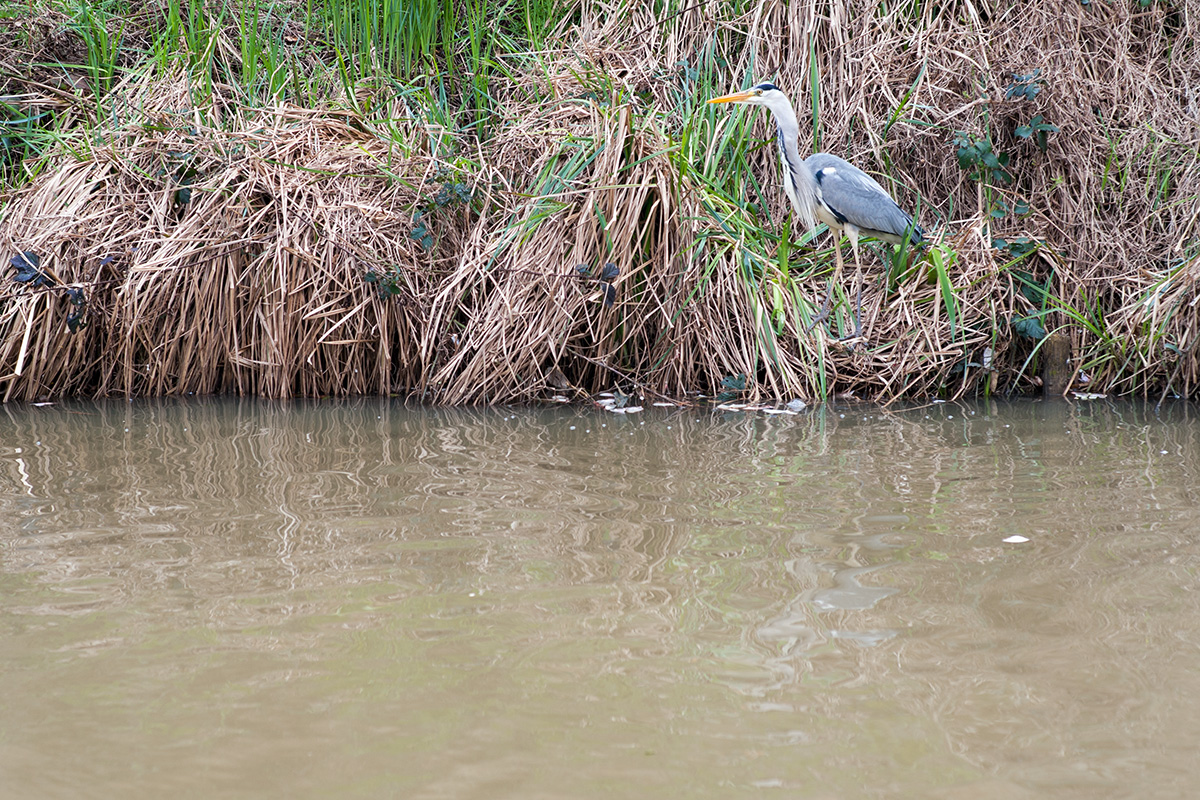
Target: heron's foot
855 341
823 316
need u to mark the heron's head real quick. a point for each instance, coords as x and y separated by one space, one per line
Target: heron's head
764 94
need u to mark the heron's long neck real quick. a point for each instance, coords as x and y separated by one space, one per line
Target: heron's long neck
798 181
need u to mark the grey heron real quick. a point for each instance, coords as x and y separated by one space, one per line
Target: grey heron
828 189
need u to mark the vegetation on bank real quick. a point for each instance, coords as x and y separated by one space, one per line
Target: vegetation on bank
469 201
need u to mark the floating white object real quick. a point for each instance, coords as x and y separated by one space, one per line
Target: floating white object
1016 539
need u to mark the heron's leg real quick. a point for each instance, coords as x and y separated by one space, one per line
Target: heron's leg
857 288
853 236
827 303
837 273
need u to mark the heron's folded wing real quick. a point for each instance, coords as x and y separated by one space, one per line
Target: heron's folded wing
856 197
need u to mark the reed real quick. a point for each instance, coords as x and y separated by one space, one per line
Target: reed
336 197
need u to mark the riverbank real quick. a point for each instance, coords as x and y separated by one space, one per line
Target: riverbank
334 199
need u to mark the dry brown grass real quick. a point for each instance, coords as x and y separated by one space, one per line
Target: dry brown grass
256 285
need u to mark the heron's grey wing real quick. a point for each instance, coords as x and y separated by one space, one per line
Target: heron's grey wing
857 198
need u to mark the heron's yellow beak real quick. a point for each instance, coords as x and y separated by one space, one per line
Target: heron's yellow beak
736 97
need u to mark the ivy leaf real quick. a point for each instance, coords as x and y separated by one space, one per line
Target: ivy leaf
420 233
28 267
610 295
732 386
1029 327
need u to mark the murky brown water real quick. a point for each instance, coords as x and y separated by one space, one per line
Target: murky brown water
242 599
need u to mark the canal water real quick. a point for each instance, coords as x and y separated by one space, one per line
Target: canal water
242 599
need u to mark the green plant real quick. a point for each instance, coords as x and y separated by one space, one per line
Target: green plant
190 35
941 259
265 67
23 137
103 49
77 318
1001 209
28 270
450 194
731 387
976 154
1037 129
389 282
1037 293
1025 86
